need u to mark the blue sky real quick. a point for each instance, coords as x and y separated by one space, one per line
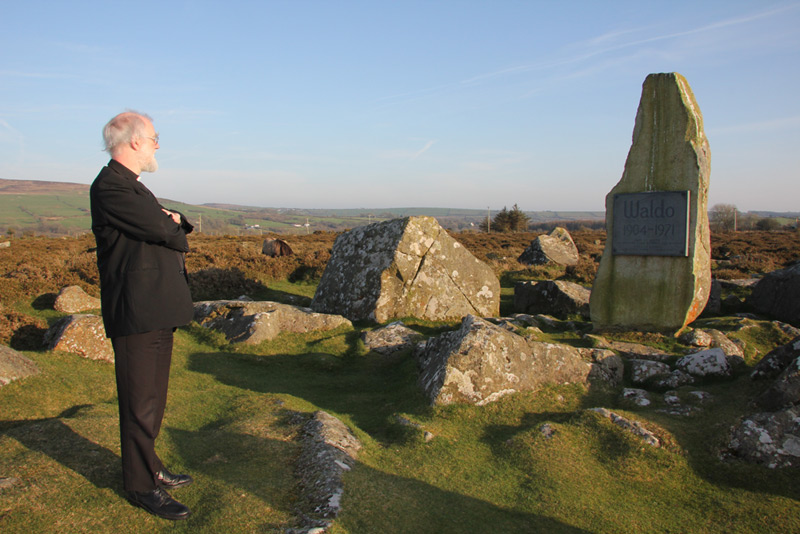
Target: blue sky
463 104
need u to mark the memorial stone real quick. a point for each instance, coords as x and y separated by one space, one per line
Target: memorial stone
655 273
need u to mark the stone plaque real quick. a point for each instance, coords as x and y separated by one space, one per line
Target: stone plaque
651 224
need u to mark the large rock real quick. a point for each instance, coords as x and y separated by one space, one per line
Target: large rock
14 366
553 297
82 334
706 363
558 248
252 322
669 153
771 439
784 391
405 268
481 362
776 360
777 295
73 299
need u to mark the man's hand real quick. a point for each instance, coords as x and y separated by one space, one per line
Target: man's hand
175 217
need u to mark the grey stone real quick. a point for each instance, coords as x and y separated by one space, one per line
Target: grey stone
328 450
82 334
674 379
669 153
557 248
14 366
480 362
642 371
73 299
391 338
607 366
706 363
634 427
767 438
784 391
777 295
696 338
405 268
252 322
554 297
776 360
637 396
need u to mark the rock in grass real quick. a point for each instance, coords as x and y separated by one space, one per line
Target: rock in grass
252 322
14 366
328 450
771 439
82 334
634 427
405 268
73 299
480 363
554 297
391 338
557 248
777 294
706 363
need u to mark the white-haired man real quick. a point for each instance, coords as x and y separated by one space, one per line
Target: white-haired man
144 296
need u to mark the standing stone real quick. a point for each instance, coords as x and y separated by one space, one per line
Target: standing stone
669 153
407 267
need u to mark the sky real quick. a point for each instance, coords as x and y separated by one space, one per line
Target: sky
380 104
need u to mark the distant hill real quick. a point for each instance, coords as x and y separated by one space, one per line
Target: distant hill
62 208
40 187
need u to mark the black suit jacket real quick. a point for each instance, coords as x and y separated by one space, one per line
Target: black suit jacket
143 283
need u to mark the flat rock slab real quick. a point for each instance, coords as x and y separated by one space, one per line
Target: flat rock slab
252 322
328 450
14 366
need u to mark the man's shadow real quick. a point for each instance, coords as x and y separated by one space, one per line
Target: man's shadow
57 440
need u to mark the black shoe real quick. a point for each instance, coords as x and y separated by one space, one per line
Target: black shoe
165 479
158 502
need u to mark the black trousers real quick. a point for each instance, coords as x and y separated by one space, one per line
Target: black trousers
141 362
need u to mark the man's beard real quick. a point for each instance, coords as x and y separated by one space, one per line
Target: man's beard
150 164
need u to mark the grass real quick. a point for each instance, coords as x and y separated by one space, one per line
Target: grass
488 469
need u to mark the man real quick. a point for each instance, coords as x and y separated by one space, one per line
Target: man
145 296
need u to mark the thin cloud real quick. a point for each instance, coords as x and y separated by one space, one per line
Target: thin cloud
427 147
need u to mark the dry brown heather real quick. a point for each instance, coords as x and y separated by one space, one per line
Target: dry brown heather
34 269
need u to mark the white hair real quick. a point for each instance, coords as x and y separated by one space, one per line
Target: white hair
124 128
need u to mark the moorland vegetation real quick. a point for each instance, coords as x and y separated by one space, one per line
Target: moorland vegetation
233 413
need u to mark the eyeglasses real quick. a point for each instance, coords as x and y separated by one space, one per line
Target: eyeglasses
154 138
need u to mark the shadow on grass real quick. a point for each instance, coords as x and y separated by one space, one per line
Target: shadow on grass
53 437
370 389
386 503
